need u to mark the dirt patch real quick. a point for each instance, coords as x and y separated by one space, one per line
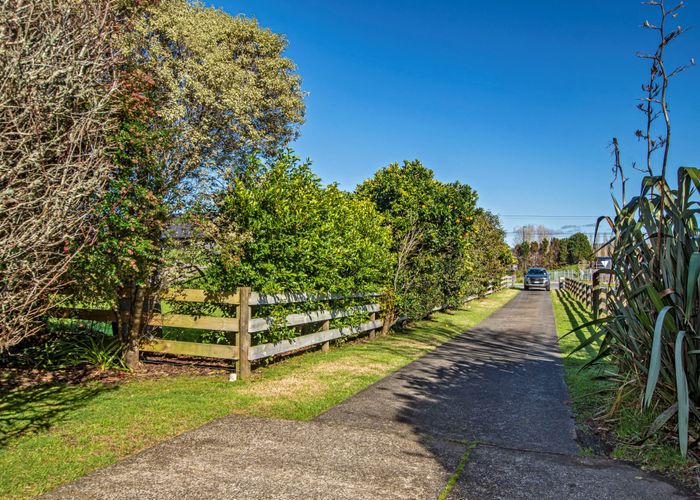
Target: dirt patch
601 441
20 378
596 439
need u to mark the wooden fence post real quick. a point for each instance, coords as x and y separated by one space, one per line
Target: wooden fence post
589 296
595 302
604 300
243 335
325 326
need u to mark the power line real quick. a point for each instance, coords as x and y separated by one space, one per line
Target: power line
567 233
550 216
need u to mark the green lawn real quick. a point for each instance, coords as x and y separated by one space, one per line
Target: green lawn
52 434
586 392
593 398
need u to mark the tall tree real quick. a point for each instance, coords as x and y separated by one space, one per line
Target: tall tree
579 247
430 223
207 89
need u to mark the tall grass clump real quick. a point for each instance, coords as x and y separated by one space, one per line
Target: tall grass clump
651 334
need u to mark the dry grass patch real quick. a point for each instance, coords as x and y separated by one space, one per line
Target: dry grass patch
353 365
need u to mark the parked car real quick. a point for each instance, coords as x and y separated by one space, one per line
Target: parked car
537 277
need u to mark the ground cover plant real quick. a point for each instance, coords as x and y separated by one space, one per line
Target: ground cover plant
54 433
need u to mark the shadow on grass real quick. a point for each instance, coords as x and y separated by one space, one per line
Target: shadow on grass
577 315
435 336
35 409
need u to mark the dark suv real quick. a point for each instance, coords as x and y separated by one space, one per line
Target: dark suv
537 277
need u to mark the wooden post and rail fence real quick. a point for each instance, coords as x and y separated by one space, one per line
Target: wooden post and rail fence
239 328
593 295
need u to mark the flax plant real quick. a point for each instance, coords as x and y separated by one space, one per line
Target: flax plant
651 334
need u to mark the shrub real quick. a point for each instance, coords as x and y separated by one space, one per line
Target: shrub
431 223
297 235
276 228
71 346
651 334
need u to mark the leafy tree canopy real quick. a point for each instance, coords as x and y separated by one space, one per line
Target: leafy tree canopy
226 88
579 247
297 235
430 223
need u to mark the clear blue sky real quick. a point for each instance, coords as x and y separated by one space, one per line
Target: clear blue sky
518 99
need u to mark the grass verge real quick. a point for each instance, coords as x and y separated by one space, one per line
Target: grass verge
592 399
52 434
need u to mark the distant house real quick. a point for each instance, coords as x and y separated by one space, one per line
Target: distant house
180 231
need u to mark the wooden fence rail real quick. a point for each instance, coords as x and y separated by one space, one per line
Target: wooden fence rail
245 323
592 295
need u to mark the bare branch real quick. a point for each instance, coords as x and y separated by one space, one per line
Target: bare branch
56 114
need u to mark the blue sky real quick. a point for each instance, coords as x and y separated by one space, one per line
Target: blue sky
518 99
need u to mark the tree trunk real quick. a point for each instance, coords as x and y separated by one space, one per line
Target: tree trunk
389 319
132 322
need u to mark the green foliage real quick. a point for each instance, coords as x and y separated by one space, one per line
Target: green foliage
563 257
131 215
651 333
489 253
593 394
96 351
431 223
276 228
579 249
554 253
299 235
74 347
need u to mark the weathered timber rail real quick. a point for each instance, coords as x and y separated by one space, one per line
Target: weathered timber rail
592 295
240 327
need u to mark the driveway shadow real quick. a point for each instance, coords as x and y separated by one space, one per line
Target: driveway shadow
500 383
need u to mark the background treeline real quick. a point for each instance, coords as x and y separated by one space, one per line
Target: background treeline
551 252
144 146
